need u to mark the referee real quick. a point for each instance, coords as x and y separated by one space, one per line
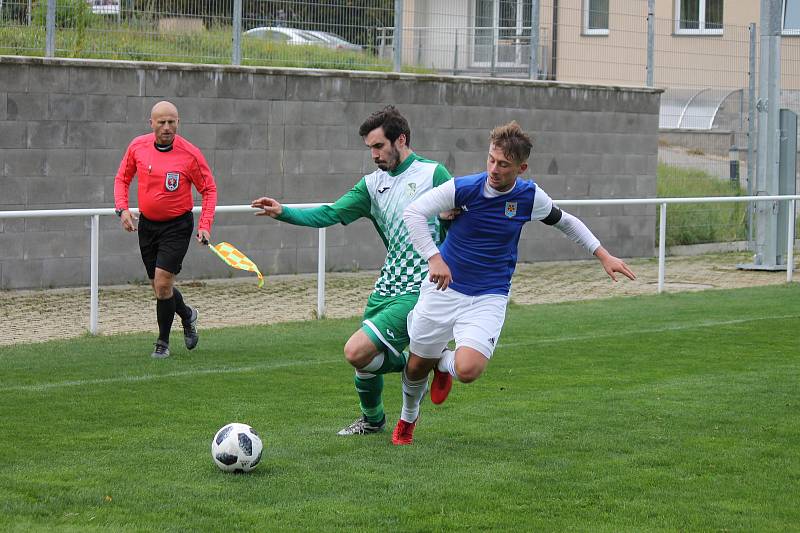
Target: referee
167 166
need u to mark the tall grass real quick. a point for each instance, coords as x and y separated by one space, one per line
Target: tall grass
97 37
700 223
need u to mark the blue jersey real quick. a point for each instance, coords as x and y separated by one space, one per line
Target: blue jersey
481 244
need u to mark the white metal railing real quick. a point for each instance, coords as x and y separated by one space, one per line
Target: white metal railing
662 233
95 215
94 256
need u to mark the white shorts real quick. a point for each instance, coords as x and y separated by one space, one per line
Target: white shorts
441 316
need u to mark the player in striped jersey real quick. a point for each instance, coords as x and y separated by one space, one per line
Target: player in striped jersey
381 196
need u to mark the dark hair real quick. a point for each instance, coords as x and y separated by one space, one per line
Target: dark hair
515 143
393 123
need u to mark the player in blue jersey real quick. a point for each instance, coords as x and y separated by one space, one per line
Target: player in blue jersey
465 295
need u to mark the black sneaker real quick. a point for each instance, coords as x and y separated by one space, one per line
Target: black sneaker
362 426
161 350
190 329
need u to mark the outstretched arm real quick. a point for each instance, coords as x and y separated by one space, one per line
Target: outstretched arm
270 207
315 217
351 206
613 264
576 230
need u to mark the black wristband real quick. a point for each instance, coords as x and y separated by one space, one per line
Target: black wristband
119 212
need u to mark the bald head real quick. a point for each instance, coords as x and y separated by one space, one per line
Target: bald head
164 122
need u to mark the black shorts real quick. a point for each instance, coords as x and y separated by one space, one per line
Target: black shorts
164 244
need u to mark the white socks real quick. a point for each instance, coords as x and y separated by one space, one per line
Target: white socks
448 363
413 391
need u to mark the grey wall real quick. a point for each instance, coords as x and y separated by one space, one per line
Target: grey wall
292 134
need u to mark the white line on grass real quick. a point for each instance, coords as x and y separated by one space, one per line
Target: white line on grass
41 387
591 336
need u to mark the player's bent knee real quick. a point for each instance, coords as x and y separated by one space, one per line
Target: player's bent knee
467 373
351 357
355 356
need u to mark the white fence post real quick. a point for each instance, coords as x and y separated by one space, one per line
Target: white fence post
93 271
321 274
790 243
662 246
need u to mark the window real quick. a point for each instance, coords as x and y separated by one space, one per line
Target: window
694 17
502 33
595 17
791 17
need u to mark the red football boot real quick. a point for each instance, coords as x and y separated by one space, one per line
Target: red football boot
404 432
440 386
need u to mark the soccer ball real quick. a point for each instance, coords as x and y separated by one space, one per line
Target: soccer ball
236 448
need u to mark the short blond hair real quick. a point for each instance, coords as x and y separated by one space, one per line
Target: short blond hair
515 143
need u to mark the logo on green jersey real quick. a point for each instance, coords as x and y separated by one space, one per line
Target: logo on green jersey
411 189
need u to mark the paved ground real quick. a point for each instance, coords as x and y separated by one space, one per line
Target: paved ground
34 316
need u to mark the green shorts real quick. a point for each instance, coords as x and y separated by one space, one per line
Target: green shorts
385 320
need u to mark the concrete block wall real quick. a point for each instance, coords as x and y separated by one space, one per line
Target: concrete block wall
293 134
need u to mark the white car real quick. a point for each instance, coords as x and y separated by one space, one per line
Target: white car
334 41
279 34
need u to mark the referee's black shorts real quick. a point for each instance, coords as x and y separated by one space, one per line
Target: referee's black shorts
164 244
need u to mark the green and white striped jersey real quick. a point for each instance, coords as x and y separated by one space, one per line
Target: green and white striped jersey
390 193
382 196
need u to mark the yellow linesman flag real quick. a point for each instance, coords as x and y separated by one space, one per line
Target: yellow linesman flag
233 257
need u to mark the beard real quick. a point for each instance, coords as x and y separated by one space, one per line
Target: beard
391 162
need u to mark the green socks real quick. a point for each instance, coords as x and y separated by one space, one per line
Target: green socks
370 391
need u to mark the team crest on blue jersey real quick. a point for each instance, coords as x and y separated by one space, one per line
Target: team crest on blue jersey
172 181
411 189
511 209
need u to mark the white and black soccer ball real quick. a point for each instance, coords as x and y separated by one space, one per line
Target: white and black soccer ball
236 448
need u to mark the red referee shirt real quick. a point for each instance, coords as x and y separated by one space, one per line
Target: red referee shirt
165 180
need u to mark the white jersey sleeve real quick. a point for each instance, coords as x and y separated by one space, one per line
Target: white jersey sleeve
576 230
416 215
570 225
542 205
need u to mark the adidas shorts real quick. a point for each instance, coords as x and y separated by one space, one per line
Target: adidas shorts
441 316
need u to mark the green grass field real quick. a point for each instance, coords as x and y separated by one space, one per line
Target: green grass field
671 412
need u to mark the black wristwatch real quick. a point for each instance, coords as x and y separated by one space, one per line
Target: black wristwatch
119 212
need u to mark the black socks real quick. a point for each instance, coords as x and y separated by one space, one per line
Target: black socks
165 312
180 307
